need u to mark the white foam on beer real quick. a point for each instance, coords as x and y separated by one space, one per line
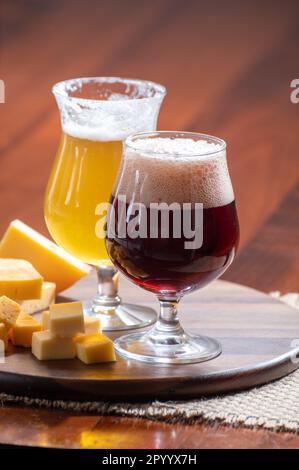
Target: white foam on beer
178 146
109 120
176 170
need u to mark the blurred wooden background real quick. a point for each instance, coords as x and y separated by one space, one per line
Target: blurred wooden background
227 65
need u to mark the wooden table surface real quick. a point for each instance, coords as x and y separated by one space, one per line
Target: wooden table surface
228 67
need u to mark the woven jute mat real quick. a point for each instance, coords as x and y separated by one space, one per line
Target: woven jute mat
274 406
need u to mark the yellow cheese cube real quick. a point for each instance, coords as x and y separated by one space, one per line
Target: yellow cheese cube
92 325
23 329
47 298
24 316
45 320
46 346
9 311
94 348
19 280
3 336
51 261
66 319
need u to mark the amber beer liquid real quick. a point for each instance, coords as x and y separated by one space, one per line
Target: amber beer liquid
164 265
82 177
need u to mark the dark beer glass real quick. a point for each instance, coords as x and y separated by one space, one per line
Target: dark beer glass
172 228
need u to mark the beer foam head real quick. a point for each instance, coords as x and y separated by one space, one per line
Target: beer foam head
108 108
175 170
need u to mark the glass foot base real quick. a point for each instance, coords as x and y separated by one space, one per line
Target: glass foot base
122 316
188 349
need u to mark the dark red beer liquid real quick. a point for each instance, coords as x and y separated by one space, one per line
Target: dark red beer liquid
165 266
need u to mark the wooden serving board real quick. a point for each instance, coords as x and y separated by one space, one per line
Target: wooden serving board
256 332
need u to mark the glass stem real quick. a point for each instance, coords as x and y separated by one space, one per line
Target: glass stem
107 286
167 330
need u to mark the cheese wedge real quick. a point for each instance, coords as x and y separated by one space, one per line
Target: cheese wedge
3 336
19 280
47 298
9 311
51 261
23 329
94 348
66 319
46 346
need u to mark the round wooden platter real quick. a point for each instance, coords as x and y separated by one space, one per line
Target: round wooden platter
256 332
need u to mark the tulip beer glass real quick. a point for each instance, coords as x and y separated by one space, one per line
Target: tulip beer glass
172 228
96 115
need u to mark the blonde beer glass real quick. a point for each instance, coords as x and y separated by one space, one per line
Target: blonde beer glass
97 114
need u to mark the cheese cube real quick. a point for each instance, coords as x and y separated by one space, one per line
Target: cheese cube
47 298
9 311
19 280
45 320
66 319
94 348
51 261
92 325
46 346
23 329
3 335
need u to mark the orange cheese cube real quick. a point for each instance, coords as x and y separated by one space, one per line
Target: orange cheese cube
23 329
94 348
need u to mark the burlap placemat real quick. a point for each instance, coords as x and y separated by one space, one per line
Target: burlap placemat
274 406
